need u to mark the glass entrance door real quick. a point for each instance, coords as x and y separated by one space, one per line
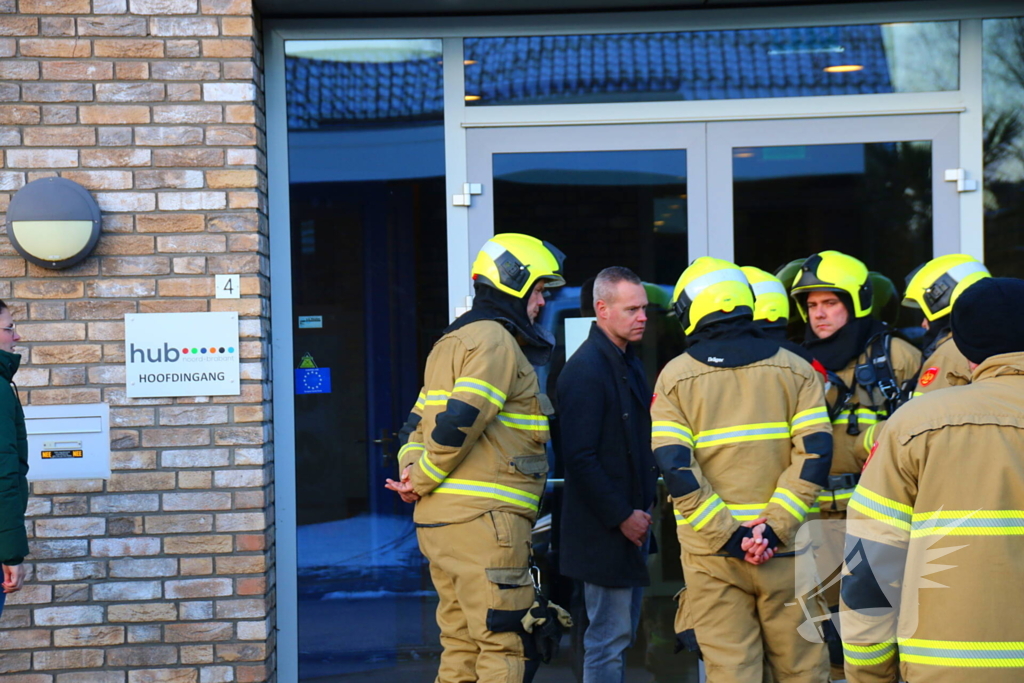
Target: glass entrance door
872 187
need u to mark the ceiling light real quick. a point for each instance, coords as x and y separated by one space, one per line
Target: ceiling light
472 98
843 68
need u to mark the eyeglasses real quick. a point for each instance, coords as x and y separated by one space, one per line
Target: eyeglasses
10 329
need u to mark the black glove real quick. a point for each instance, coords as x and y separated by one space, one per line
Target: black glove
546 636
773 539
732 546
687 640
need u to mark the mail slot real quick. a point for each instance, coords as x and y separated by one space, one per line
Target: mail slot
68 441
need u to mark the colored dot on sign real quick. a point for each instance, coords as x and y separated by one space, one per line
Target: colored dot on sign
184 350
231 349
222 349
195 350
213 349
202 350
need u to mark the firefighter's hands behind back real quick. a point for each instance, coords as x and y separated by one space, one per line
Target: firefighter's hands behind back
635 527
403 487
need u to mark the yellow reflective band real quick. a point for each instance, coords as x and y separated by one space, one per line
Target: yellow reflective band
867 655
968 523
883 509
672 430
533 423
480 489
838 494
808 418
869 437
472 385
411 446
740 512
742 433
437 398
864 416
430 469
789 501
916 394
703 514
953 653
421 401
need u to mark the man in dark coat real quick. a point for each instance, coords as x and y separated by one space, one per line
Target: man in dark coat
610 474
13 464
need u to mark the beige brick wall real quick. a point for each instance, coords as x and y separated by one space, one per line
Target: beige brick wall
163 573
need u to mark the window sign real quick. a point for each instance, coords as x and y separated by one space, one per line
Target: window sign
182 354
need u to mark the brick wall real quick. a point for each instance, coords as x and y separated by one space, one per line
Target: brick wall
165 571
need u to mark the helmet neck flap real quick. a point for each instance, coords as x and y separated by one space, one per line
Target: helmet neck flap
491 304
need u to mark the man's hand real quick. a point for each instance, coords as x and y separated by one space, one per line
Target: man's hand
404 487
13 577
635 527
756 547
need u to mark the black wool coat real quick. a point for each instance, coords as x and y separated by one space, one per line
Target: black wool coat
610 471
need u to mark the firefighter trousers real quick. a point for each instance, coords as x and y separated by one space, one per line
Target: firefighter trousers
743 622
480 571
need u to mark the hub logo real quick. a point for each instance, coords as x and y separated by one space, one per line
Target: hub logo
170 354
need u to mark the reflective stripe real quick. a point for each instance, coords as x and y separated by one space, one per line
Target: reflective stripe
437 398
968 523
869 438
672 430
768 287
743 433
866 655
534 423
883 509
916 394
479 387
962 653
838 494
807 418
789 502
864 416
708 509
962 270
740 512
466 487
713 278
430 469
421 401
411 446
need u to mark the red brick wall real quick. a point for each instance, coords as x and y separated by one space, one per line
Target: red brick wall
164 571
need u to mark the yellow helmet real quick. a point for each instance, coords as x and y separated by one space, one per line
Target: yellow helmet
512 263
935 285
833 271
770 300
711 286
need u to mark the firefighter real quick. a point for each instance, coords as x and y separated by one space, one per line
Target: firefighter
771 311
741 435
933 288
866 369
475 463
936 529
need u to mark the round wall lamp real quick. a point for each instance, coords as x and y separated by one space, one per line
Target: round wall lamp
53 222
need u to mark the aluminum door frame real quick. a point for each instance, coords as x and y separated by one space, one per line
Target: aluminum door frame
942 130
483 143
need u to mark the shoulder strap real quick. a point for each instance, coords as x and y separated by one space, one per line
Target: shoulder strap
878 373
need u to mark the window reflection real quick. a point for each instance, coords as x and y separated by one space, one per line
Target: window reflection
1004 146
713 65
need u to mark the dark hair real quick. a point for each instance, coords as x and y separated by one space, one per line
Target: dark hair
609 277
2 305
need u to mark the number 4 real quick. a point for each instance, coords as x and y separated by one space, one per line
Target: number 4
227 286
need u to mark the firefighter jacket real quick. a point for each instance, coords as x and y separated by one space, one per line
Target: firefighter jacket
738 443
479 444
936 528
945 360
852 442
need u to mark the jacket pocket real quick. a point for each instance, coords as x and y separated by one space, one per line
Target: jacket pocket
509 577
531 465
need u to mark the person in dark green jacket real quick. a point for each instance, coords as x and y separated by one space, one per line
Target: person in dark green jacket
13 463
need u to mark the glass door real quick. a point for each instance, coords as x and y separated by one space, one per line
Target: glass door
606 195
873 187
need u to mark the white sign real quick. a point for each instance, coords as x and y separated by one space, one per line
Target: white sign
181 354
576 332
68 441
227 286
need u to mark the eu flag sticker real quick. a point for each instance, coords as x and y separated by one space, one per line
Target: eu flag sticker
313 381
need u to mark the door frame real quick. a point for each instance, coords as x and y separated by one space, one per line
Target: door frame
942 130
483 143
